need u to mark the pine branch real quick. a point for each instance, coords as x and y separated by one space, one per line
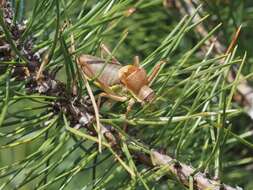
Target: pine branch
79 112
47 85
155 159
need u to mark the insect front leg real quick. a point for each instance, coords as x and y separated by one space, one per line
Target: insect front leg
129 108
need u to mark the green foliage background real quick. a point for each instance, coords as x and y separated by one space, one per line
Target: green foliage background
220 144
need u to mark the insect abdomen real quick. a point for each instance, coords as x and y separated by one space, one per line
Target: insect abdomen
96 67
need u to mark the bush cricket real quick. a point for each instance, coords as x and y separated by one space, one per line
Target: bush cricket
110 75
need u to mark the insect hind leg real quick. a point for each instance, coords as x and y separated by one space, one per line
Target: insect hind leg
105 49
155 72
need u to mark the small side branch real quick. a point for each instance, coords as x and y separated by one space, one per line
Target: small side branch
244 95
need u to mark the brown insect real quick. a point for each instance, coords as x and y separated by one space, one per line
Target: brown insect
110 75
